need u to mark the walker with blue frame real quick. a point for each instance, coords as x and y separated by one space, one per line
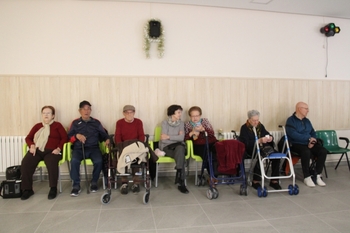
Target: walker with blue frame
262 191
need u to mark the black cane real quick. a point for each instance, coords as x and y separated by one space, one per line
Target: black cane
86 177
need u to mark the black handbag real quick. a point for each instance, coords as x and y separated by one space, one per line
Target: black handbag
10 189
13 173
266 151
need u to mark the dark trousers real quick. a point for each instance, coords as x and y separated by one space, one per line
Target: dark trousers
30 162
275 169
201 151
177 153
317 152
90 153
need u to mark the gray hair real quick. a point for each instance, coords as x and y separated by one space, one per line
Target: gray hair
252 113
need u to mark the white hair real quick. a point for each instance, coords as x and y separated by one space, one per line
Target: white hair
252 113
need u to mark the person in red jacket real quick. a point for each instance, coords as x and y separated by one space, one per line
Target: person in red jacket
129 128
45 141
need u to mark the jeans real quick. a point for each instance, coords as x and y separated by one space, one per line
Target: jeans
90 153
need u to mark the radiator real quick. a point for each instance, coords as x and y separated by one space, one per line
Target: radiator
10 151
233 135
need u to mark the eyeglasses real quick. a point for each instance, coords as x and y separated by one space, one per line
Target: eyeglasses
129 112
46 113
305 108
196 116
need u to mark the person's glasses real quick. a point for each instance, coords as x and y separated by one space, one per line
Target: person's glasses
305 108
46 113
129 112
196 116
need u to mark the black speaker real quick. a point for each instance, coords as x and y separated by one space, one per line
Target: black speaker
154 29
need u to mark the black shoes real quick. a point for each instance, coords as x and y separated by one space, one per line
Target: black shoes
256 185
52 193
183 189
135 188
26 194
93 188
276 185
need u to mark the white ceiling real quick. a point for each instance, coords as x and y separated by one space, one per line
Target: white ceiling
327 8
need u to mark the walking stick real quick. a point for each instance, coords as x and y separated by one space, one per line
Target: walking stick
86 177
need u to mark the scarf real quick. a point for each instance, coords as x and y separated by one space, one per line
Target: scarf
258 128
196 124
173 123
42 135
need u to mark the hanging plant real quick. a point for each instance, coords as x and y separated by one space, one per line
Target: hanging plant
153 33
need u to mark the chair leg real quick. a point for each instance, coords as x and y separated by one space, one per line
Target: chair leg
341 157
59 179
156 183
41 174
196 177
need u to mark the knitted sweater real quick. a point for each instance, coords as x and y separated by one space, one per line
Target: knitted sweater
129 131
173 132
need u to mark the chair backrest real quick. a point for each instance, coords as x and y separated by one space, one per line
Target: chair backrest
157 133
329 138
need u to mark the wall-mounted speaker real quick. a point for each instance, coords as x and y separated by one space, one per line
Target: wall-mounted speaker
154 29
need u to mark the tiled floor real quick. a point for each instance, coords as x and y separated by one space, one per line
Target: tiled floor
320 209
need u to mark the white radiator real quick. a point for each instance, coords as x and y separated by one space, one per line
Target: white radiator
10 151
233 135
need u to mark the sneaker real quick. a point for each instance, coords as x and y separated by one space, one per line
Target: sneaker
256 185
275 186
124 189
52 193
135 188
75 192
319 181
26 194
308 181
93 188
159 152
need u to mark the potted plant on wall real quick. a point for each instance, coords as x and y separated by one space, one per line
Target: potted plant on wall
154 33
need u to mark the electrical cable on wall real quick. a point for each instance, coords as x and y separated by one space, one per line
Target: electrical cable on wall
326 70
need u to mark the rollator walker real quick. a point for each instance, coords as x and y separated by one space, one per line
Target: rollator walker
262 191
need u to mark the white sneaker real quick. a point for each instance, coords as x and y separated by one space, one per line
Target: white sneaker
159 152
308 181
319 181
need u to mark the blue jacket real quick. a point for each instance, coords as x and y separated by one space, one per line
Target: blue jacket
299 131
92 130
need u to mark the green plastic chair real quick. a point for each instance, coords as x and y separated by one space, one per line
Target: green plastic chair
42 164
196 158
166 159
330 142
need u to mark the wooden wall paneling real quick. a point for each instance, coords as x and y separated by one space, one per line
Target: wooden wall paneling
255 99
316 96
239 98
221 100
286 105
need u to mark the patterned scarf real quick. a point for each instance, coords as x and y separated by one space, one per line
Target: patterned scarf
258 128
173 123
42 135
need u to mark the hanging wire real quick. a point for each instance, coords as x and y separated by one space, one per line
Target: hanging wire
326 70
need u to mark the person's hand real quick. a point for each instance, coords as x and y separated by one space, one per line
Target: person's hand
32 149
164 136
262 140
312 142
194 133
56 151
81 138
269 138
199 128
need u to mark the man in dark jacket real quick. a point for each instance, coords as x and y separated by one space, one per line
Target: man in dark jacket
85 134
302 137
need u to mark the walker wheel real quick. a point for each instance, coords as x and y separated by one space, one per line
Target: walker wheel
215 193
241 190
105 198
209 194
290 189
146 198
264 194
296 189
260 192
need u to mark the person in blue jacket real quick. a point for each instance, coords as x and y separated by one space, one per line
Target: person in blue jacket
302 137
86 132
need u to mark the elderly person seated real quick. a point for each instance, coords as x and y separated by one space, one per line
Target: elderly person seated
45 141
265 138
195 130
172 143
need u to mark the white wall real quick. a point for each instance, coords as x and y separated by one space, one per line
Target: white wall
106 38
